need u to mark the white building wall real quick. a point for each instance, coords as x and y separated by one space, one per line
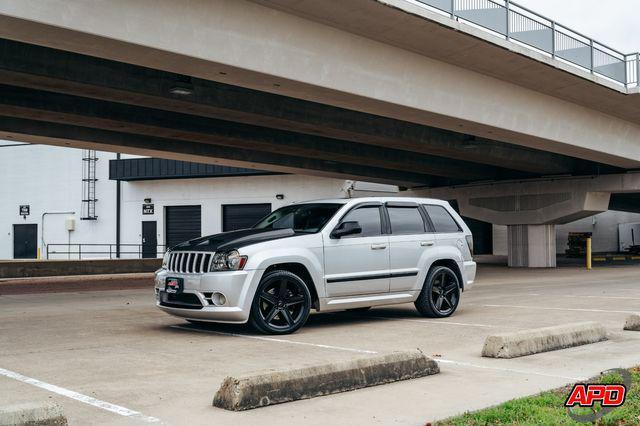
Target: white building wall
49 179
212 193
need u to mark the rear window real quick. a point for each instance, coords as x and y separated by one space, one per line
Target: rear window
406 220
442 220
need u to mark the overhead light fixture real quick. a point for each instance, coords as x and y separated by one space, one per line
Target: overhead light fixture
469 142
181 90
280 196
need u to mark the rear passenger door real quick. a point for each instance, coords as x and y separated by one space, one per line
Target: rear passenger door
408 242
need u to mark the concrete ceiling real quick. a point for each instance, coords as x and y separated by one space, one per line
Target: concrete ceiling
57 97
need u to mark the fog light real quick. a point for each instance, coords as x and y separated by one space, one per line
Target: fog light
218 299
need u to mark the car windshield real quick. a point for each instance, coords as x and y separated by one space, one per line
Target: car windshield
307 218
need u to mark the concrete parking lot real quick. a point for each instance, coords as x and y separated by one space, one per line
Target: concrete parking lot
110 357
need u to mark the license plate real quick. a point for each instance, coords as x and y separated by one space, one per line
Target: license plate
174 285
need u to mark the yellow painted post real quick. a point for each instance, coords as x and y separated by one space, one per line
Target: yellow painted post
589 253
38 253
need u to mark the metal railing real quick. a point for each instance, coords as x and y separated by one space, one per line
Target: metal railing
101 251
524 26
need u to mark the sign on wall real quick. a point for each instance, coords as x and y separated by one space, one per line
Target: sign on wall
25 210
147 209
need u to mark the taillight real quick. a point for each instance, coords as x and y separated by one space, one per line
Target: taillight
470 243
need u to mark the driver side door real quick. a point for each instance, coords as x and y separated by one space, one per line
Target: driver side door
358 264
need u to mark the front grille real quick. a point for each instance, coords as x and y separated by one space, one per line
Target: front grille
188 262
181 300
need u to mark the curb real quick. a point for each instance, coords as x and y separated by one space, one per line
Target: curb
76 283
260 390
633 323
528 342
32 414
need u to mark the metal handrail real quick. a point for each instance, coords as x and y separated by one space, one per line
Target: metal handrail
111 252
499 16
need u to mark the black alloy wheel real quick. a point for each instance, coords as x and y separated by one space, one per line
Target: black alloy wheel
440 294
281 304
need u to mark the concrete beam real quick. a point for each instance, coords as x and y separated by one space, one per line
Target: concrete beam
65 135
537 201
57 71
274 51
418 29
52 107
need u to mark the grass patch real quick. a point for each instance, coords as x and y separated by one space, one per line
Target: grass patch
548 408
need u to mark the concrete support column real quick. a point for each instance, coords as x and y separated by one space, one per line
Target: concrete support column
532 246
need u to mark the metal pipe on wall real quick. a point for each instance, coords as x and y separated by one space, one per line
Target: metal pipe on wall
43 246
118 189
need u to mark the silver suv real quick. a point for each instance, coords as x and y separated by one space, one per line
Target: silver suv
326 255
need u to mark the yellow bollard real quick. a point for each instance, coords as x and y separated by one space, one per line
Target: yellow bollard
589 254
38 255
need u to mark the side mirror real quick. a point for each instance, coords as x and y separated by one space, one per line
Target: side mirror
346 228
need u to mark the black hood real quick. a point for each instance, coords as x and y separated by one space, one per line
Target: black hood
233 239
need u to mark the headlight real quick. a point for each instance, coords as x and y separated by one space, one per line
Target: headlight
165 260
230 261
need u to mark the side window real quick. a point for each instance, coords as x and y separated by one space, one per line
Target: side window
442 219
369 220
406 220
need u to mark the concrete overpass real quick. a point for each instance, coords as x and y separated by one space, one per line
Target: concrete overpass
380 90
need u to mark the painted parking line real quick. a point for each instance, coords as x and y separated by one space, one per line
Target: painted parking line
602 297
464 324
574 296
107 406
557 309
273 339
508 370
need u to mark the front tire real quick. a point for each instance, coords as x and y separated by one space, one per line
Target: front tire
440 294
281 305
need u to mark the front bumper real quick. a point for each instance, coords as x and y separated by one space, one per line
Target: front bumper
198 298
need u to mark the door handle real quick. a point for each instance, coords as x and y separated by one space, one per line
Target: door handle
378 246
427 243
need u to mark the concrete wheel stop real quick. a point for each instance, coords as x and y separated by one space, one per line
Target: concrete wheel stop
529 342
633 323
244 393
32 414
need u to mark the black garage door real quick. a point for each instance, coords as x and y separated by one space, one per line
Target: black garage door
182 223
241 216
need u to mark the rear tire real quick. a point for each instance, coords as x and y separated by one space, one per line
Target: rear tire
281 305
440 293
